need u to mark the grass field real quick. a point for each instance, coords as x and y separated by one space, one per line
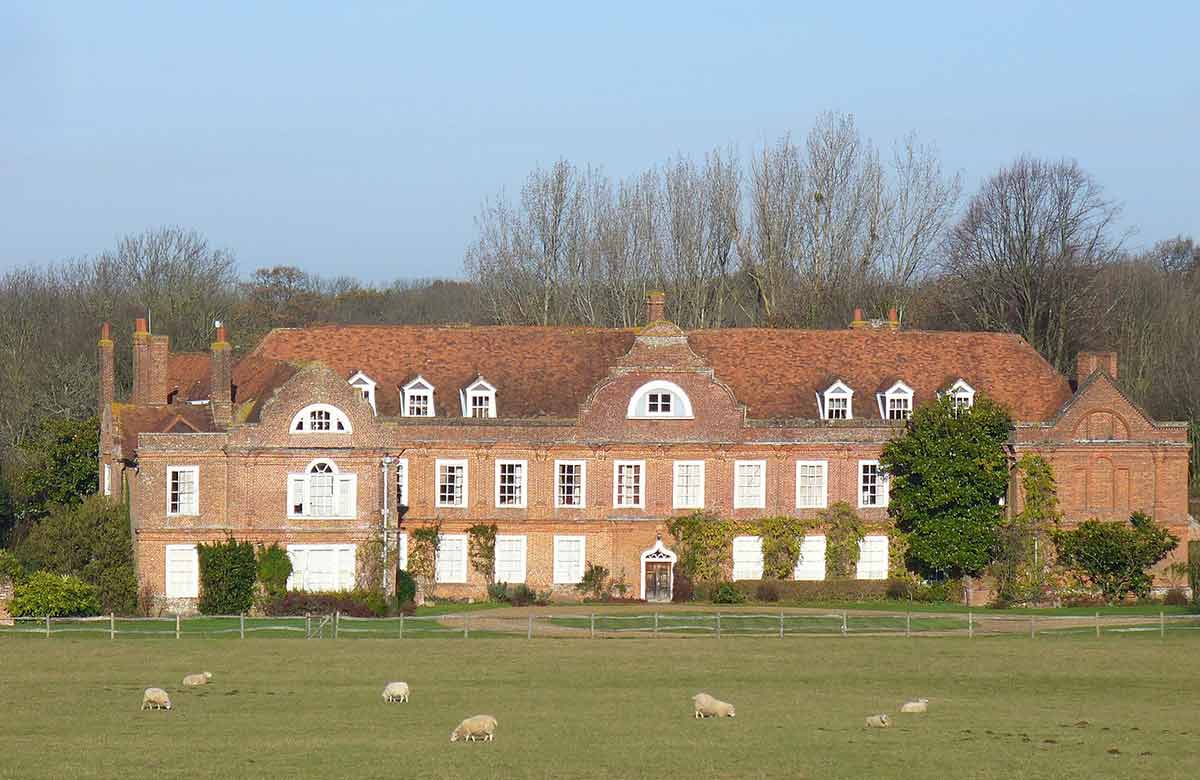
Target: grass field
1000 708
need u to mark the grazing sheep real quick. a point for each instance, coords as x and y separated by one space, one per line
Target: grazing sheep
193 680
919 705
705 706
477 726
879 722
395 691
156 699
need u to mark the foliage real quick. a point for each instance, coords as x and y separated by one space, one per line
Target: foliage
57 465
727 593
1194 569
620 586
1021 566
10 567
948 472
90 541
481 541
810 591
1176 597
1115 557
352 603
369 563
422 555
682 589
702 541
594 582
274 567
57 595
406 587
498 592
768 591
781 538
227 575
843 532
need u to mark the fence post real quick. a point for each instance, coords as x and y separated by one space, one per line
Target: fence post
47 626
1097 625
466 625
112 625
401 625
781 624
529 630
592 628
845 629
307 626
718 625
656 624
1033 626
1162 625
242 626
907 623
176 625
970 624
336 615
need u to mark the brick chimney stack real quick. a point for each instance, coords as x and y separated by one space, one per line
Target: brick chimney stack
150 355
220 382
656 303
104 349
1087 363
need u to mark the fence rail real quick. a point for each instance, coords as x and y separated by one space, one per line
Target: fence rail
502 623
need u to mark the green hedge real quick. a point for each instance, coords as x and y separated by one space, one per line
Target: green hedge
57 595
227 575
1194 570
823 590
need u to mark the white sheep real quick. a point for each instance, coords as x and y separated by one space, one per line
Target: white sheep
193 680
879 722
476 726
918 705
705 706
156 699
395 691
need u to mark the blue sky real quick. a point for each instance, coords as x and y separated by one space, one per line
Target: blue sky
362 138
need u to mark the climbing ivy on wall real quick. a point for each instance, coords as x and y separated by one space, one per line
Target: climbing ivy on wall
843 531
422 554
482 543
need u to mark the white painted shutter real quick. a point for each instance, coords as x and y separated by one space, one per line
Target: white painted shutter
299 557
182 571
345 567
747 558
811 565
510 559
873 558
296 486
346 495
402 557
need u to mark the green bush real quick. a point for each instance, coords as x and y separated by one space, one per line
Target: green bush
803 591
498 592
682 590
57 595
768 591
228 572
10 567
406 587
1194 569
1115 558
594 582
274 567
727 593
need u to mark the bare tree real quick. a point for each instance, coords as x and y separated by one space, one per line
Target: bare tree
921 202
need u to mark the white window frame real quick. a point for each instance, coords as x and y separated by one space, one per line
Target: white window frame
417 387
756 569
862 570
633 410
193 590
437 482
582 464
366 385
344 484
402 482
741 501
523 498
678 501
562 577
480 388
641 466
838 389
340 552
524 544
897 391
812 557
302 422
195 508
462 561
961 395
823 500
881 490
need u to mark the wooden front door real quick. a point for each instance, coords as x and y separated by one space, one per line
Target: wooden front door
658 581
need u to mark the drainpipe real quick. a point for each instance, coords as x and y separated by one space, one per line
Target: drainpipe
385 467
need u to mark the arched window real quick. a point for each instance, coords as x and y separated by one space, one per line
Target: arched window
322 491
320 418
659 400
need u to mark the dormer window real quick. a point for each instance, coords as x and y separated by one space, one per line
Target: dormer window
479 399
366 386
417 399
836 403
896 403
320 418
659 400
961 395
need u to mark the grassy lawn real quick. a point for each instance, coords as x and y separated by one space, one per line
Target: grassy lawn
603 709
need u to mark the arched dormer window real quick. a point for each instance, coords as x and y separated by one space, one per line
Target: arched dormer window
320 418
836 402
322 491
417 399
365 385
961 395
896 403
659 400
478 399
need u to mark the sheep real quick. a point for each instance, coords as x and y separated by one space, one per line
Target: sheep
193 680
918 705
156 699
395 691
477 726
879 722
705 706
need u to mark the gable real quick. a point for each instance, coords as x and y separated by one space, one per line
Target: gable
1101 412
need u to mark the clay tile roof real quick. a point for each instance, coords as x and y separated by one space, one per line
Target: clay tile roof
188 372
135 419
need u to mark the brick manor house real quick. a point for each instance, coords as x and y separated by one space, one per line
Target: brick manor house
578 443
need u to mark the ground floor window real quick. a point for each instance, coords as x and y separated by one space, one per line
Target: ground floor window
873 558
452 558
321 567
569 557
811 565
183 571
510 558
747 558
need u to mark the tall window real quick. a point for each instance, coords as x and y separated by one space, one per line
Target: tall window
108 479
322 491
569 557
182 484
570 483
747 558
689 484
872 485
451 483
749 484
451 560
510 558
510 483
320 418
627 483
811 484
401 484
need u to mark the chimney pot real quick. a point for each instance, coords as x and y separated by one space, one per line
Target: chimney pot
893 319
139 325
858 321
105 331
